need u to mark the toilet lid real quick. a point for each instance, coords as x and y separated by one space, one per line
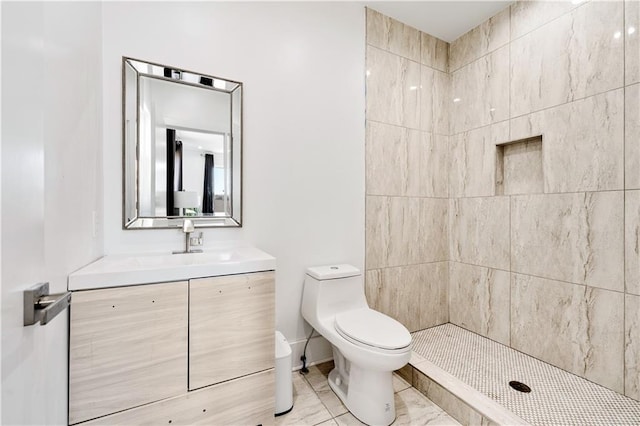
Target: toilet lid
373 328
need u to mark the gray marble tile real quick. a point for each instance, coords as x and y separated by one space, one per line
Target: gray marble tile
582 143
473 156
348 420
428 159
389 34
434 52
632 41
433 230
393 94
526 16
406 373
479 231
386 158
392 231
480 94
413 408
393 291
447 401
331 422
574 237
317 379
307 407
400 384
435 100
405 231
632 346
522 168
570 58
434 294
632 241
486 37
479 300
414 295
575 327
632 136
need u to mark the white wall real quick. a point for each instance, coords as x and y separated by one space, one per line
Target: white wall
302 65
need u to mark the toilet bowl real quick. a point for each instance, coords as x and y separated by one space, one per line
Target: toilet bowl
367 345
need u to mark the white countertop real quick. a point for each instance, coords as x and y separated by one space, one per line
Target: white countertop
131 269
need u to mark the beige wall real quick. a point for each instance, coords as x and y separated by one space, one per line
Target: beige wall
551 268
407 128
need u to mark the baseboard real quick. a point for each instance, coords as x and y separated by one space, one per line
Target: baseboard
318 351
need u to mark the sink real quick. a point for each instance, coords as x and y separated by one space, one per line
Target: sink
132 269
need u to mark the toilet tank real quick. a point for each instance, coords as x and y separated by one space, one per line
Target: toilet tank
331 289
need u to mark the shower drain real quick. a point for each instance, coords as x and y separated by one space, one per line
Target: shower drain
519 386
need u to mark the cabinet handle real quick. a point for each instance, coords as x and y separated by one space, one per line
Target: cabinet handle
42 307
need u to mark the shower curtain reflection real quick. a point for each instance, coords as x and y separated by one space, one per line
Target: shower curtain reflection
207 198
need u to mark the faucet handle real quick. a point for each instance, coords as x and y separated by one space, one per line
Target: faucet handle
187 226
197 241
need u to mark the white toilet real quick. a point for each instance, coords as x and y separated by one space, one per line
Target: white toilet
367 345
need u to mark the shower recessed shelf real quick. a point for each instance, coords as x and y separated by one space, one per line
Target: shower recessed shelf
519 167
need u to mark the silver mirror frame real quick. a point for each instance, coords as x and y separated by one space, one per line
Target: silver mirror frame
135 221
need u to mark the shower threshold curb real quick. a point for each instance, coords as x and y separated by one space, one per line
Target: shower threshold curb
458 399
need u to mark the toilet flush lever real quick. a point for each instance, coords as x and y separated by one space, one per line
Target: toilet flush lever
42 307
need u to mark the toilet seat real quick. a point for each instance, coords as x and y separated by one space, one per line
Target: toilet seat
366 327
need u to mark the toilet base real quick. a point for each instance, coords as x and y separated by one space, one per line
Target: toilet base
367 394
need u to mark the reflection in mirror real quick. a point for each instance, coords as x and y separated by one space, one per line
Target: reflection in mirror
182 147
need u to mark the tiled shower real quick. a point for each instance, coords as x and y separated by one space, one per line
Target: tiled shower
503 182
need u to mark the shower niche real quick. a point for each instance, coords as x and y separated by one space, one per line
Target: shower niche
519 167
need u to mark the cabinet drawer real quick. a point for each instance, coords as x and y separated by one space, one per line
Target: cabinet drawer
127 347
246 401
231 327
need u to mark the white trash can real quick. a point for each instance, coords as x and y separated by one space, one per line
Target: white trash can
284 382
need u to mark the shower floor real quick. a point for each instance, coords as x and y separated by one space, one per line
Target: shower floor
556 398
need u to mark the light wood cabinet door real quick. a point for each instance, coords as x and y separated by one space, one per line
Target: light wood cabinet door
231 327
248 400
127 347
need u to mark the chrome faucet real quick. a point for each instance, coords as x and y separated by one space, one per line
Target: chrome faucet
188 228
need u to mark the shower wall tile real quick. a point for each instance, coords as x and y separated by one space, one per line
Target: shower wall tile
434 52
405 231
480 94
479 231
632 136
386 155
577 328
428 165
435 100
434 294
632 41
434 229
393 291
392 231
392 89
632 241
393 36
529 15
473 158
486 37
415 295
479 300
632 346
582 143
570 58
570 237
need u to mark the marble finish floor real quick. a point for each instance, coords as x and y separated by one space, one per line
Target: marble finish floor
557 397
314 403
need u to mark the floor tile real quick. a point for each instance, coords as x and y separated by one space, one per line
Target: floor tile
307 407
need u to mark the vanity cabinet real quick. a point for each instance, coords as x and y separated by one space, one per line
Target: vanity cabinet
127 347
231 318
188 352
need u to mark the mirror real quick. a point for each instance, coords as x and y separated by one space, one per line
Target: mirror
182 153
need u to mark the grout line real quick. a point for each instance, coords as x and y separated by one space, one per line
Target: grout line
415 129
575 100
537 194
